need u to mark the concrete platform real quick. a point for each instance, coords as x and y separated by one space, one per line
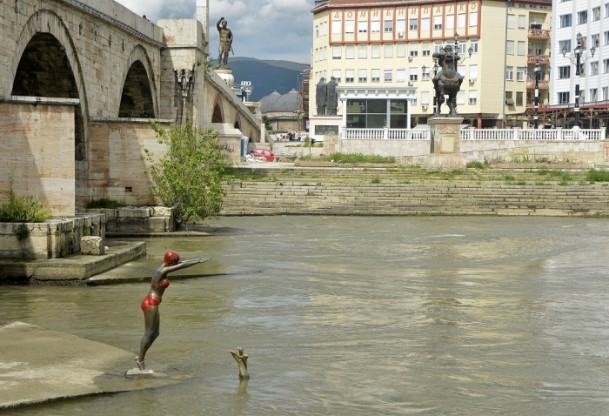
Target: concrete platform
77 268
38 365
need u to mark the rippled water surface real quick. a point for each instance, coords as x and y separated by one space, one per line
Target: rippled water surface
359 316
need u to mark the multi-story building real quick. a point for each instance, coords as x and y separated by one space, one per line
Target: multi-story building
381 53
590 19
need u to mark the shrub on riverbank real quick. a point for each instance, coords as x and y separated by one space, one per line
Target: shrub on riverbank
351 158
597 175
23 209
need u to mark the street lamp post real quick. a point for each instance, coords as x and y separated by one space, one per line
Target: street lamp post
580 57
436 67
536 102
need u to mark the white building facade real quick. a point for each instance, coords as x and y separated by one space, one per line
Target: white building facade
381 55
590 19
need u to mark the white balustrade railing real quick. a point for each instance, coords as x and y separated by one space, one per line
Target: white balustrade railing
386 134
477 134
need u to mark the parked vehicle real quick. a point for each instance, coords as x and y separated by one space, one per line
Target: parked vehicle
262 155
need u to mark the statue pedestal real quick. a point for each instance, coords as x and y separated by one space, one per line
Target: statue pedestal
446 142
226 75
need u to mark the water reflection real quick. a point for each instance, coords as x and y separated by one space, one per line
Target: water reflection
359 316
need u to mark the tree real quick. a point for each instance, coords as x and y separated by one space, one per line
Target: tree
189 175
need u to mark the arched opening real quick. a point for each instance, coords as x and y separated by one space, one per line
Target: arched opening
217 115
44 71
136 100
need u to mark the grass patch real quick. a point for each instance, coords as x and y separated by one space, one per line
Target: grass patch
105 203
476 165
376 179
594 175
23 209
351 158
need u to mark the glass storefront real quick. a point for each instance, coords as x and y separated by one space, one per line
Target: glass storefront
377 113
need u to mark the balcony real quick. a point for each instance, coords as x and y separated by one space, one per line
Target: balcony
542 59
539 33
543 84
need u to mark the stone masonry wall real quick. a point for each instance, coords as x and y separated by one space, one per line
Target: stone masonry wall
318 198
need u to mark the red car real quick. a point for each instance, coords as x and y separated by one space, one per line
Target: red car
263 155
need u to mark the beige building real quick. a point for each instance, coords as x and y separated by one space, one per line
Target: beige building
381 54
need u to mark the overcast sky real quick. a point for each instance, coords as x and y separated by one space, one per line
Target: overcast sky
262 29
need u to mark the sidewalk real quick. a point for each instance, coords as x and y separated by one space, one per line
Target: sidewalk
38 365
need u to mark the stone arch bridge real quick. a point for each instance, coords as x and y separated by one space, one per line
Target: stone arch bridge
79 82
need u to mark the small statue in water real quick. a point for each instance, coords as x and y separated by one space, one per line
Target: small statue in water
150 304
241 357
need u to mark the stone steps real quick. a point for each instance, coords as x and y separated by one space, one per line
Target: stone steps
330 198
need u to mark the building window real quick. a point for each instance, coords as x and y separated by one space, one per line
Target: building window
388 75
521 73
426 49
606 37
563 97
473 97
337 27
362 76
362 51
509 98
401 50
594 68
336 74
400 75
509 47
362 27
400 27
375 26
511 21
336 52
388 53
596 14
388 26
509 73
582 17
349 26
349 75
605 66
425 24
414 74
565 20
564 72
461 98
605 93
425 98
376 75
377 113
522 21
519 98
437 23
474 45
596 40
461 20
375 51
521 48
450 22
414 53
593 95
413 24
349 52
473 19
564 46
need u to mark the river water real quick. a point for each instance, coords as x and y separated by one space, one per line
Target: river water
359 316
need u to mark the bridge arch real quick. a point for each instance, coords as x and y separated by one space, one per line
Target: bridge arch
139 95
44 50
218 113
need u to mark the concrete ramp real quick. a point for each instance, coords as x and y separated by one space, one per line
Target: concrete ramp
38 365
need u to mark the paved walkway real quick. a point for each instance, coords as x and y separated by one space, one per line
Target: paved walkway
38 365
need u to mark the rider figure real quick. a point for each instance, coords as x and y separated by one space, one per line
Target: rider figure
441 56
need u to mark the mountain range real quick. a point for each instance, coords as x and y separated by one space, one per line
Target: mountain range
266 76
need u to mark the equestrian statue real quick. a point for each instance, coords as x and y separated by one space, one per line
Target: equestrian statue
447 81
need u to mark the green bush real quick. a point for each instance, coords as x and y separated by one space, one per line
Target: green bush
104 203
189 176
476 165
23 209
594 175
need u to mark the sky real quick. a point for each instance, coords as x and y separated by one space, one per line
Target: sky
262 29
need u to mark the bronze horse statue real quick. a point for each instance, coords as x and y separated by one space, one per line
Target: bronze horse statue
447 82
